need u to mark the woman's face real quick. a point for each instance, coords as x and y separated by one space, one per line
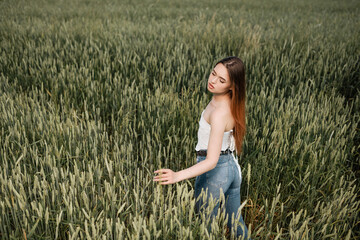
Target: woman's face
219 80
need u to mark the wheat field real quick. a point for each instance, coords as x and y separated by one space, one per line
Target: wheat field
97 95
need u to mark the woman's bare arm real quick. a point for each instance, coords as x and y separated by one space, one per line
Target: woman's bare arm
218 124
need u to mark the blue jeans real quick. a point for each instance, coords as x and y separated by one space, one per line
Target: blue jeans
225 175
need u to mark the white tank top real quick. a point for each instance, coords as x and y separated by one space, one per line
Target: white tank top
204 134
203 139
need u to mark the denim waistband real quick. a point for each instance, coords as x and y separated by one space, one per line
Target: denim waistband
222 158
203 152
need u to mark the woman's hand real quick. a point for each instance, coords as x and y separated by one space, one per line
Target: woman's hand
167 176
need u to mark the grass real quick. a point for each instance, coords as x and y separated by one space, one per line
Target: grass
95 96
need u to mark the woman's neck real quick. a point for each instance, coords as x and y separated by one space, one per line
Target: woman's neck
220 100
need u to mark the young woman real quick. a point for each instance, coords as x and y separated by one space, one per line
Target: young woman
221 132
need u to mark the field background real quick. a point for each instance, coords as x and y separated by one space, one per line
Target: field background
96 95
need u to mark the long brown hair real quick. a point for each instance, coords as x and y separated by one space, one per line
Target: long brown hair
236 71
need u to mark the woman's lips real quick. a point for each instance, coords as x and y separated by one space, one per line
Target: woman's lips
211 86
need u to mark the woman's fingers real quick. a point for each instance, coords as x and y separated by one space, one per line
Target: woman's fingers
164 177
164 181
162 171
160 178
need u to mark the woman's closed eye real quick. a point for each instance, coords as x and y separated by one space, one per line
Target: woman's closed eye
213 73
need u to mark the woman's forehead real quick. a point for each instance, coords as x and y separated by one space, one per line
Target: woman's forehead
221 70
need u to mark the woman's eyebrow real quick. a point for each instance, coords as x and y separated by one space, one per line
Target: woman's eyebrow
220 76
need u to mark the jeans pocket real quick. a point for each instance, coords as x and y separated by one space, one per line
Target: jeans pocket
217 176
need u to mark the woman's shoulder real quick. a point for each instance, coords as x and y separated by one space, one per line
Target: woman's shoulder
219 114
224 115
